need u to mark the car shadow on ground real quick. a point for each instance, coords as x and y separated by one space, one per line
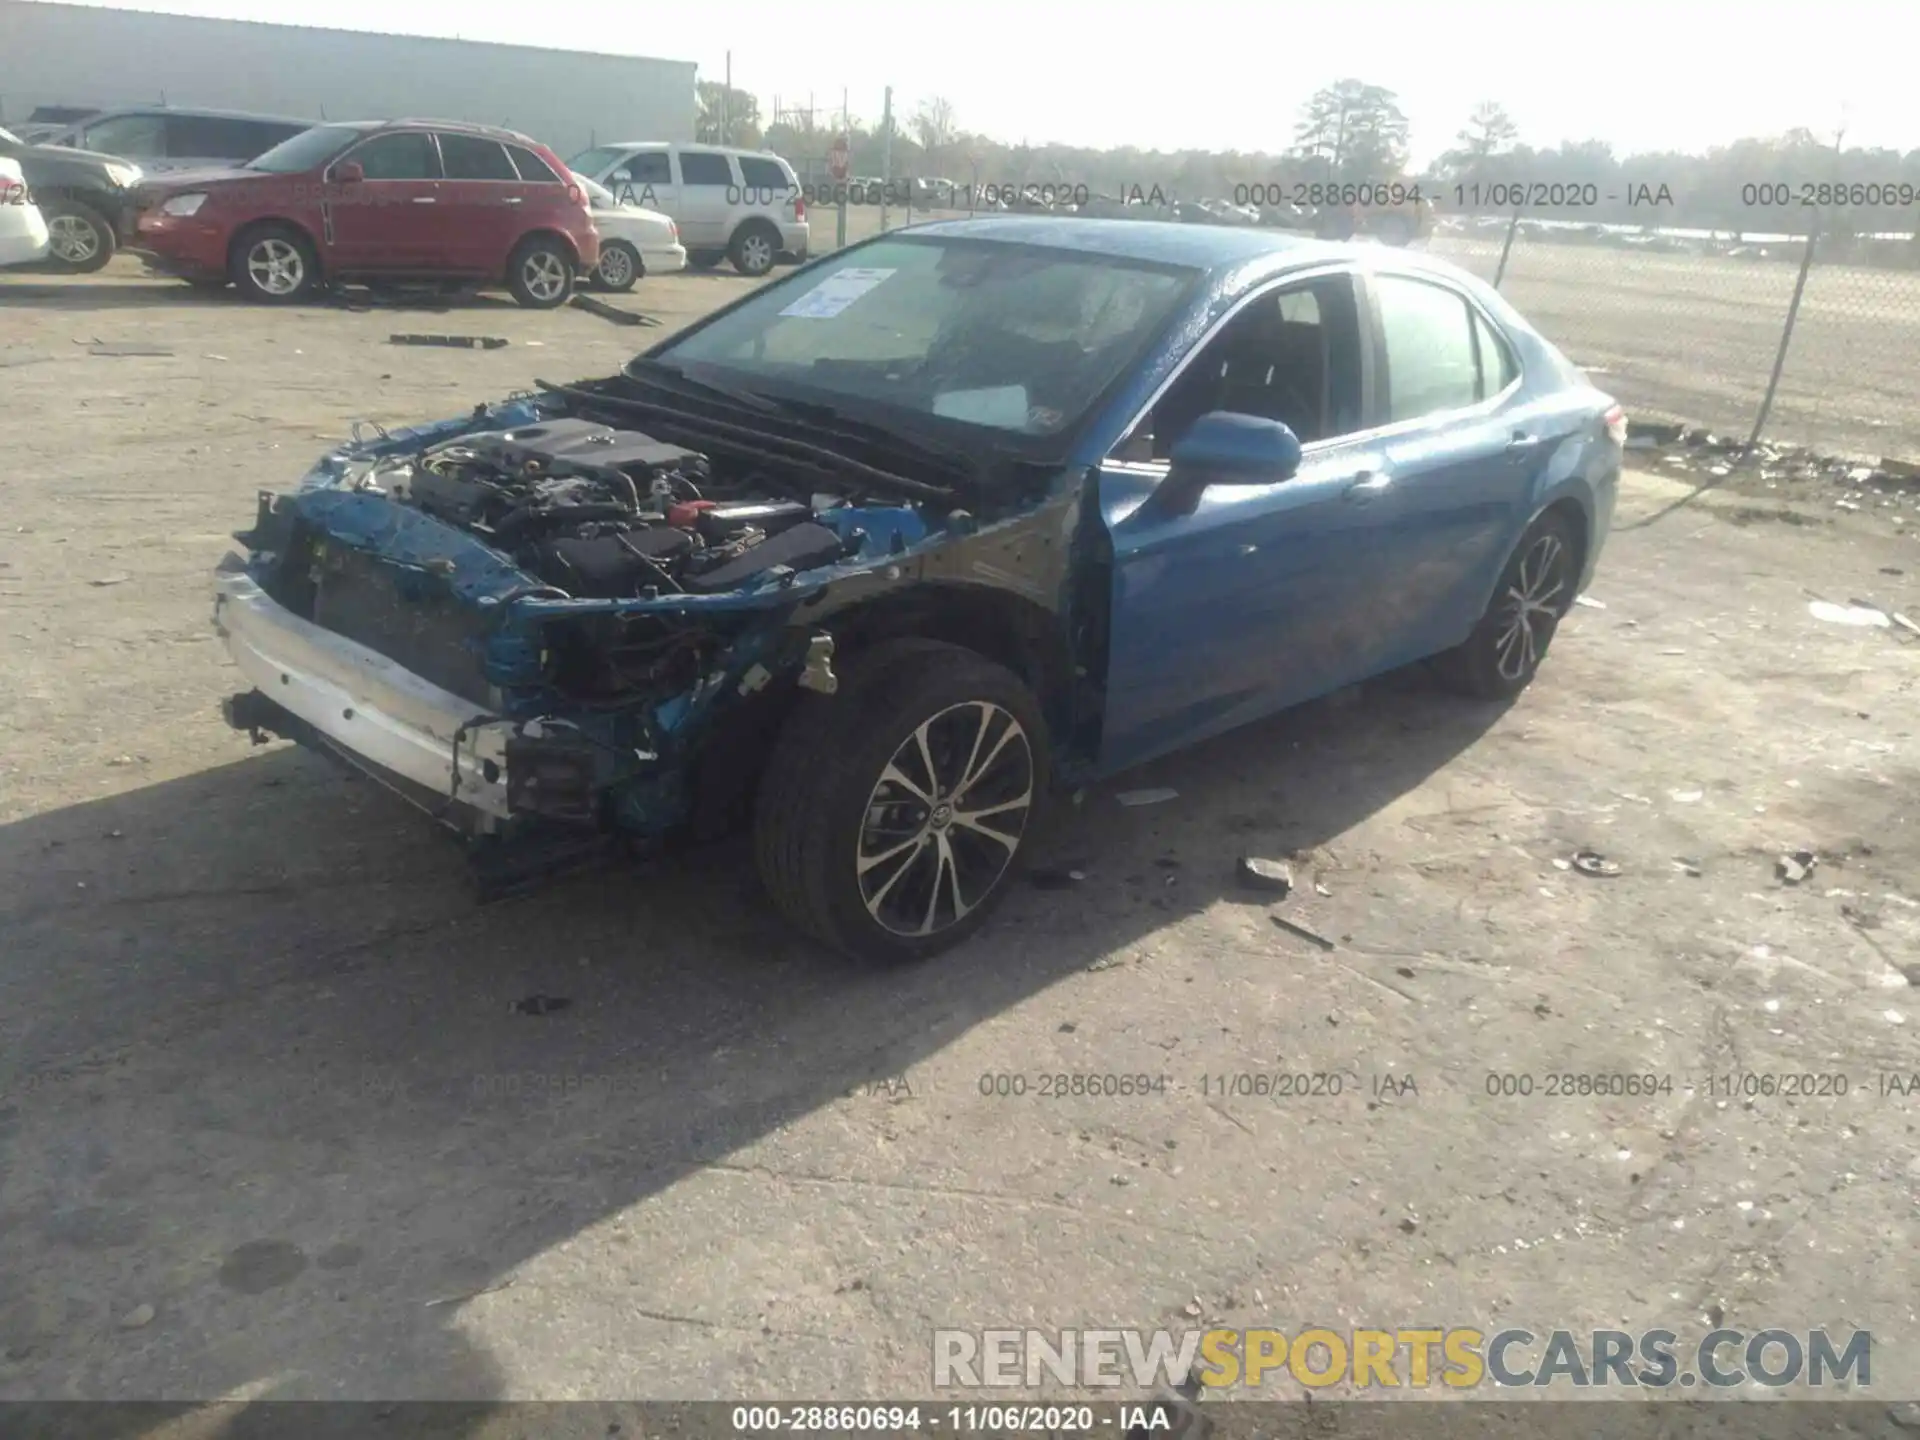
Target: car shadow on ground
291 1036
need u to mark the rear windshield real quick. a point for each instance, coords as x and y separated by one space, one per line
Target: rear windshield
306 150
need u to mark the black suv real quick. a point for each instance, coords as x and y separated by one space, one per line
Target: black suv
83 196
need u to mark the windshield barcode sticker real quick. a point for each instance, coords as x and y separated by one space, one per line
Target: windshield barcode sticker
835 293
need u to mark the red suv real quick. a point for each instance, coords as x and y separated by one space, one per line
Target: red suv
376 199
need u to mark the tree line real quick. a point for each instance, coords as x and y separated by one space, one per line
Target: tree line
1355 132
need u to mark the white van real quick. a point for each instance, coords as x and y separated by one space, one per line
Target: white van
739 205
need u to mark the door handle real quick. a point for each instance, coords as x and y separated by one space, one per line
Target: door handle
512 200
1366 486
1522 442
423 199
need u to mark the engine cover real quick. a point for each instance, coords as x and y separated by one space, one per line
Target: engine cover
556 446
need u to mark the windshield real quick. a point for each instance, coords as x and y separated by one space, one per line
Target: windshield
7 137
306 150
592 162
1013 337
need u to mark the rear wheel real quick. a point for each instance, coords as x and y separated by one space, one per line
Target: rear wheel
79 238
756 245
540 274
1501 657
1393 230
704 259
274 264
619 266
892 812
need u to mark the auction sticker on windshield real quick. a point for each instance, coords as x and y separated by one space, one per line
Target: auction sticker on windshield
836 293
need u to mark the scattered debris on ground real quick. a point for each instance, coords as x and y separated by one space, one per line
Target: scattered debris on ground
1275 877
451 342
1048 877
1146 797
1293 927
127 348
1795 866
539 1005
1592 862
611 312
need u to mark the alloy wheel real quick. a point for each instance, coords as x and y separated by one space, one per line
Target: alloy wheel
616 266
544 275
1531 607
275 266
72 239
756 253
945 818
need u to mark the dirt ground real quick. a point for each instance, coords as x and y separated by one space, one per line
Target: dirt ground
270 1125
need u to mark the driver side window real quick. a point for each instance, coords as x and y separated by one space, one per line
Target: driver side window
1291 355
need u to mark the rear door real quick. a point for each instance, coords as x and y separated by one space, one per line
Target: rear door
205 141
709 194
482 202
1462 455
393 218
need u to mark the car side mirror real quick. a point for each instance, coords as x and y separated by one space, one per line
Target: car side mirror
348 172
1222 448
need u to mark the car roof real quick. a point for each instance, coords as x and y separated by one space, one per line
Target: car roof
194 111
1205 247
693 145
456 127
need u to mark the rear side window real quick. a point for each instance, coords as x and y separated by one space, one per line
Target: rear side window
702 167
531 166
1432 361
137 137
470 157
194 137
403 155
763 174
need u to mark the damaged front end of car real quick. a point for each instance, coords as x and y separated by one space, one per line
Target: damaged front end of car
553 631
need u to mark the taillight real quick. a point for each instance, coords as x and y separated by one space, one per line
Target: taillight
673 231
576 196
799 208
1617 426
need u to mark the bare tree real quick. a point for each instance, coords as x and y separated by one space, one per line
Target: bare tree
933 124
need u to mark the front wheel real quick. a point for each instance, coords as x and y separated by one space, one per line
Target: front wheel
892 812
274 265
540 274
1500 658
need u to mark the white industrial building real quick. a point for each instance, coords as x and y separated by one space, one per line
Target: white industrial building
80 55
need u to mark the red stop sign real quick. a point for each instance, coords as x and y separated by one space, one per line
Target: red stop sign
837 159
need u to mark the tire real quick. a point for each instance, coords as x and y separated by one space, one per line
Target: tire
756 245
1498 661
704 259
827 788
274 265
619 268
540 273
80 239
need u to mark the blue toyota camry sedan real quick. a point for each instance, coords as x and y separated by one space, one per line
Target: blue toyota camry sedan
881 555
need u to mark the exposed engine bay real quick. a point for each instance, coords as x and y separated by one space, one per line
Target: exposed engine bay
598 512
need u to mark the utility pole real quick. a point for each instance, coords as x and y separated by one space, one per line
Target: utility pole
846 131
886 154
726 104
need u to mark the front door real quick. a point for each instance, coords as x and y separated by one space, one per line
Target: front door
1254 600
392 219
645 178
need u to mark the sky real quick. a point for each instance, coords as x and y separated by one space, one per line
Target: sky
1231 74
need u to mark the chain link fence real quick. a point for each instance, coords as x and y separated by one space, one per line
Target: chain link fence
1691 328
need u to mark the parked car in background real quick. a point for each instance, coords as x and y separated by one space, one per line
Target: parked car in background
377 199
741 205
83 198
23 230
161 138
888 551
633 241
